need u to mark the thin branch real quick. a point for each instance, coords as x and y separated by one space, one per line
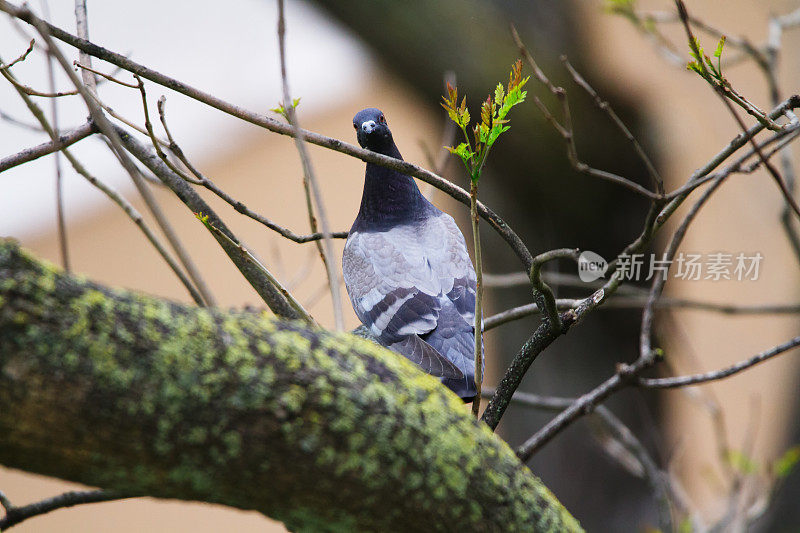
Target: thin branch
11 120
108 191
262 285
122 156
638 302
108 77
676 198
301 312
770 68
236 204
724 96
60 216
310 184
658 181
561 279
180 251
15 515
779 139
30 91
543 288
544 335
35 152
657 288
22 57
620 433
787 194
478 320
275 126
148 128
566 131
625 373
683 381
82 28
5 503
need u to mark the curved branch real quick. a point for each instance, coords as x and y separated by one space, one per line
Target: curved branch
202 404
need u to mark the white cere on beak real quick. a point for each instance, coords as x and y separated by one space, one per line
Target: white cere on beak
368 126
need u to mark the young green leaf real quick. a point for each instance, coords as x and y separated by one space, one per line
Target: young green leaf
784 465
741 462
720 46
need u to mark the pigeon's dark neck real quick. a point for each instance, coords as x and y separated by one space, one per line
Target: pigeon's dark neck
390 197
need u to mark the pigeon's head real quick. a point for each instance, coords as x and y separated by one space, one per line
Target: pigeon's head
372 131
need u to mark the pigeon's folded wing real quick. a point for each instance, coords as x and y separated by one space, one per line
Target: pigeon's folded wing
452 265
394 290
396 293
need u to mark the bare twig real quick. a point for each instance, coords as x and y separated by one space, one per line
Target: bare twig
262 285
310 185
236 204
108 191
82 28
706 174
621 434
658 181
22 57
119 151
544 335
15 515
478 322
20 123
626 373
565 130
30 91
770 68
35 152
505 232
637 302
724 93
60 217
301 312
547 294
683 381
180 251
108 77
148 126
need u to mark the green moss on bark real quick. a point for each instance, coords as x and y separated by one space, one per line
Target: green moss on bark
324 431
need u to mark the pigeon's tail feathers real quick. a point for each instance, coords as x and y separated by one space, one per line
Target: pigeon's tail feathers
454 338
423 354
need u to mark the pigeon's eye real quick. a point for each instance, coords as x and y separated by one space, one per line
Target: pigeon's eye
382 119
355 126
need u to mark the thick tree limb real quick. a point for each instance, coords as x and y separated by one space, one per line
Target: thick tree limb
151 397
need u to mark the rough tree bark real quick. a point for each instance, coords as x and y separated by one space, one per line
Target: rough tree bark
322 431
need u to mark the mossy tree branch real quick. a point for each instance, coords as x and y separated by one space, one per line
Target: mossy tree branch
324 431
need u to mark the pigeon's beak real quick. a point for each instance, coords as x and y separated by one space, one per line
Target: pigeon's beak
368 126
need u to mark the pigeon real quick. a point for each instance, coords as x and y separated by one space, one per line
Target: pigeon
407 269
